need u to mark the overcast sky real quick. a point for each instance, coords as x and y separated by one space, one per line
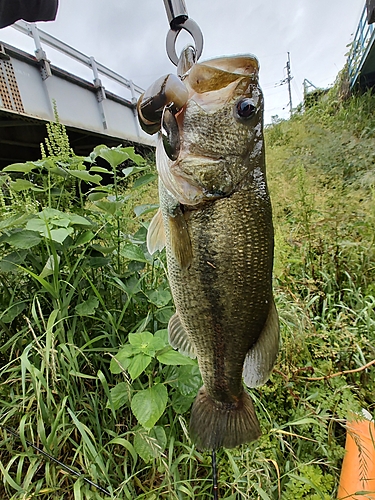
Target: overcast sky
128 36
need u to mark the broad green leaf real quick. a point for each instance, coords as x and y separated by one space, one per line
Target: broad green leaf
20 167
49 267
140 340
187 379
47 163
173 357
145 179
12 312
87 308
139 237
13 221
37 225
159 434
77 220
86 176
96 262
60 171
180 403
164 315
114 156
122 359
155 345
21 185
136 158
138 364
146 445
149 405
102 249
132 170
101 170
10 262
63 222
84 238
119 395
38 189
132 285
163 334
110 207
146 342
51 213
96 196
59 235
145 209
133 252
24 239
159 297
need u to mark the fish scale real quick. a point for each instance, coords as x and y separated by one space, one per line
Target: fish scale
224 287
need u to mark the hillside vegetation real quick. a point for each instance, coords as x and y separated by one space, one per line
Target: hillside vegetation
86 373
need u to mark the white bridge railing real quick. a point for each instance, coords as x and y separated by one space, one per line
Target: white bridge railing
97 68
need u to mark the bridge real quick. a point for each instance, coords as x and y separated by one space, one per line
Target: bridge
361 59
30 85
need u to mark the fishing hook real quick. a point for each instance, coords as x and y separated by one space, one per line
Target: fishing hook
179 20
215 485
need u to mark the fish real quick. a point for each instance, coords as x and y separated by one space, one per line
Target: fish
215 221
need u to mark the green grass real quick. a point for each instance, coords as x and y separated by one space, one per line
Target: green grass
84 307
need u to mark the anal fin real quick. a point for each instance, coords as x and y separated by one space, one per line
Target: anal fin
156 234
178 337
261 357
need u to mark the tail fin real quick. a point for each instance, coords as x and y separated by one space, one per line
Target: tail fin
214 424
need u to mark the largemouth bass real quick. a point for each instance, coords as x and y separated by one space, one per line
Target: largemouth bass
215 220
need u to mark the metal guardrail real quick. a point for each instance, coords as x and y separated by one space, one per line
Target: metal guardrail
97 68
362 42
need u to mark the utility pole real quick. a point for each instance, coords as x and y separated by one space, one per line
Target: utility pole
289 79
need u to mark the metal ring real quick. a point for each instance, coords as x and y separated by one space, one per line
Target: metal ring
191 27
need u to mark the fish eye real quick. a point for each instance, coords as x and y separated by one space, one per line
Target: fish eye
245 109
170 134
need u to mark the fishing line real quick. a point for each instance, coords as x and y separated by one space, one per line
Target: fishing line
53 459
215 486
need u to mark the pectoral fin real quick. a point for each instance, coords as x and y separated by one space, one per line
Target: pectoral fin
180 239
261 357
178 337
156 234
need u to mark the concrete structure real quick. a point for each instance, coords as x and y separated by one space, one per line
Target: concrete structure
30 84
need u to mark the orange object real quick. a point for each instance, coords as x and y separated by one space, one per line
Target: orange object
358 467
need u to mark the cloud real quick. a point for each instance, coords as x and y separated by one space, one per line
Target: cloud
129 37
